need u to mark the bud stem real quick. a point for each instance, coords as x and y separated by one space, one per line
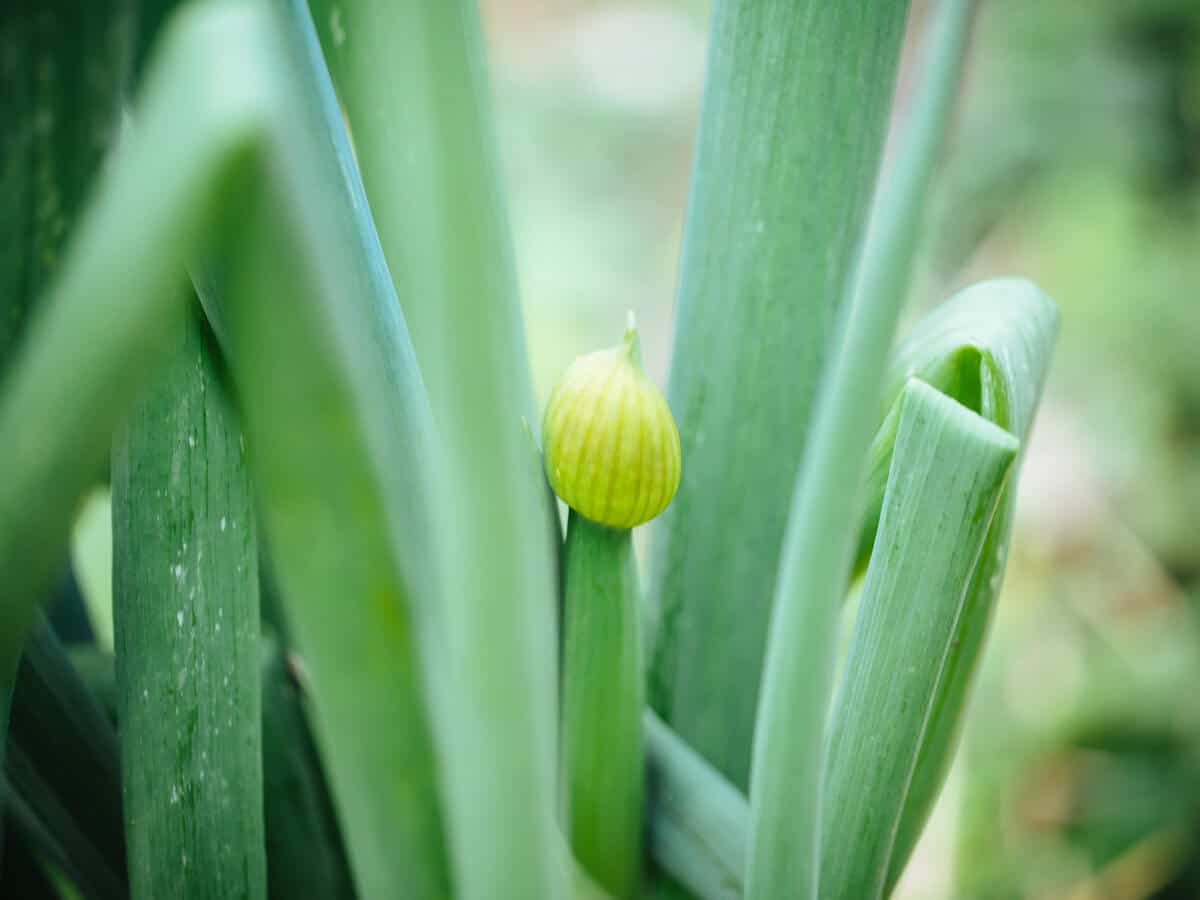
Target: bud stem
602 742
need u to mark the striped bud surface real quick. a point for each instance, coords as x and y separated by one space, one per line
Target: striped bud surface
609 439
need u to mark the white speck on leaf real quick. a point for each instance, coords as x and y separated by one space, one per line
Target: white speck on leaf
178 571
335 27
179 618
175 798
191 441
222 523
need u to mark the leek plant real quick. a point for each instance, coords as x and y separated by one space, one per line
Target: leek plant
262 278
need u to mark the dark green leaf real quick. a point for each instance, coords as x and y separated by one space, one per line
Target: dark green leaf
305 857
185 617
63 764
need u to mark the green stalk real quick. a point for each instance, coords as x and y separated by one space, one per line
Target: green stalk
786 159
789 742
412 77
699 822
946 481
185 616
603 754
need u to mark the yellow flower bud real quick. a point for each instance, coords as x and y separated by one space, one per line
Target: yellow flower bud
610 441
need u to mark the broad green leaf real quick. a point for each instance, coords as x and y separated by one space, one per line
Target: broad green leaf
785 163
63 765
699 822
412 77
185 617
789 740
603 752
1008 327
947 475
336 419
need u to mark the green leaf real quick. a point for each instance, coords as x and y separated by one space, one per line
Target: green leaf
947 475
699 822
107 315
185 616
63 766
412 78
98 670
603 752
304 849
23 873
305 857
66 64
340 437
785 163
1009 327
342 454
789 739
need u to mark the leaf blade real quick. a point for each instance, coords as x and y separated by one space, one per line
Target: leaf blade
413 75
789 745
185 617
945 485
1013 325
785 164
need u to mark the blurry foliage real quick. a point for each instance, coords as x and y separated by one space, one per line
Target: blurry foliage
1078 160
1079 155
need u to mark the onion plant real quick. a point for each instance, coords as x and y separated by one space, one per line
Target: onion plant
259 279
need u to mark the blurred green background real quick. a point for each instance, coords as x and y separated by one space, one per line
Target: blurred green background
1075 161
